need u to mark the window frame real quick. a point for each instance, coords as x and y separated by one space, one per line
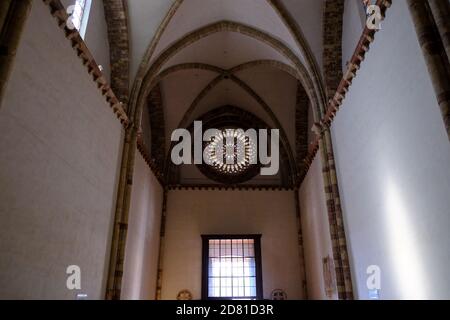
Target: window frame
205 262
84 21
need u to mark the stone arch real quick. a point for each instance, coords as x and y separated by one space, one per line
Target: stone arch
301 129
157 127
237 116
272 63
303 45
245 66
222 26
284 16
143 66
209 87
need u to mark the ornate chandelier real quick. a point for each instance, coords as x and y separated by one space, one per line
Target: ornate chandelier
234 156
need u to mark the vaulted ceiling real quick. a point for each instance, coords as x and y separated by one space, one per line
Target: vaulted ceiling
204 54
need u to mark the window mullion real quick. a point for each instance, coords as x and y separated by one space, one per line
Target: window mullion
228 280
232 267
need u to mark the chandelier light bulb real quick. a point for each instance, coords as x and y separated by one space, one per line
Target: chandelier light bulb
234 160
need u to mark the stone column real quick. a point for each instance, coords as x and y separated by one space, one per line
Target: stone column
120 230
301 127
162 237
301 247
332 45
117 23
441 13
336 219
12 27
434 54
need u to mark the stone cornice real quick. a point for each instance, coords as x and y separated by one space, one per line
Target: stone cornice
58 11
334 104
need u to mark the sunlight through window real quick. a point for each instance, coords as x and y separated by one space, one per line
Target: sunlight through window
232 269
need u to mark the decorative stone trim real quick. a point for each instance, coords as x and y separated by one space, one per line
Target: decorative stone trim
353 66
117 23
313 148
143 150
210 86
233 71
332 44
262 63
227 187
335 103
332 60
157 127
301 126
58 11
151 78
231 75
335 219
144 65
311 64
433 49
301 248
323 143
162 236
229 115
287 19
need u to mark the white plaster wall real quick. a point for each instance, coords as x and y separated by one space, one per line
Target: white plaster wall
316 231
142 247
193 213
309 17
60 152
144 20
96 37
393 161
353 27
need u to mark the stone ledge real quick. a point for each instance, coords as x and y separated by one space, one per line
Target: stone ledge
363 46
222 187
58 11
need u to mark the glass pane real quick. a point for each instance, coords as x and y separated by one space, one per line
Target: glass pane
225 268
237 248
232 268
214 292
213 250
214 267
248 249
